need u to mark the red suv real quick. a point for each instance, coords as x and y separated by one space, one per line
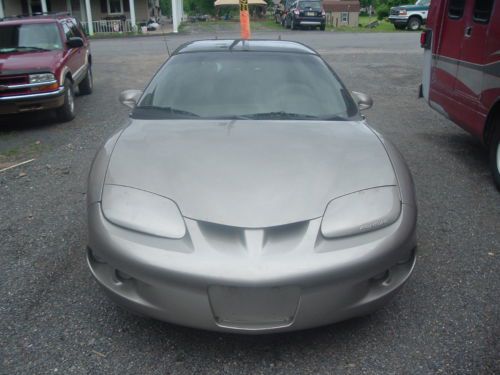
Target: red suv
42 61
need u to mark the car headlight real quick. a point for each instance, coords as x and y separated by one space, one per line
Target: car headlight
142 211
42 78
362 211
402 12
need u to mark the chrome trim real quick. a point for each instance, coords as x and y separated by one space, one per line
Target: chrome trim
27 85
41 95
310 23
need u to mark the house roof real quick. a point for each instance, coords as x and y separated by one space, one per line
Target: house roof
341 5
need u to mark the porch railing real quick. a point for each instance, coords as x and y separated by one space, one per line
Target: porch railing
110 26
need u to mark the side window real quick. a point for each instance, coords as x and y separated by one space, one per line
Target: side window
456 8
67 31
482 11
74 29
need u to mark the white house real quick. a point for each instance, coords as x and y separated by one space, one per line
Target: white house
96 15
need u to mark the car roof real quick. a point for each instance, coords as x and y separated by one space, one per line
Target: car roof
256 45
37 18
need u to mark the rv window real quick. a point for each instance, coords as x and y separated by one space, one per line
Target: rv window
482 10
456 8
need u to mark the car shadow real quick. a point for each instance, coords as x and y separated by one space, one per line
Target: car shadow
27 121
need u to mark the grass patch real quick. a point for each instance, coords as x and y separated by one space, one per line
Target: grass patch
383 26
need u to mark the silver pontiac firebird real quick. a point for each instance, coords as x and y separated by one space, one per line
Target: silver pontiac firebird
247 194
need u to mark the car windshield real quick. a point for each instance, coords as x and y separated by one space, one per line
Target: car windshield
310 5
422 2
29 37
246 85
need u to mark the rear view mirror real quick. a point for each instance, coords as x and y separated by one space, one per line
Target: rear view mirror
364 101
75 42
130 97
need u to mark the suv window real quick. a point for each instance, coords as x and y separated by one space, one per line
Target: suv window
68 31
456 8
482 10
310 5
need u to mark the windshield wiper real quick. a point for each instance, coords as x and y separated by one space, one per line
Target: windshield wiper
279 115
170 110
32 48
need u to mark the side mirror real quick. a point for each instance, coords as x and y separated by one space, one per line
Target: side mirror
75 42
130 97
364 101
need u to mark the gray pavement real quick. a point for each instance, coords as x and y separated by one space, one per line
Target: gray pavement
54 319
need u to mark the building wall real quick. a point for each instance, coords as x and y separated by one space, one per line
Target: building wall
12 7
335 19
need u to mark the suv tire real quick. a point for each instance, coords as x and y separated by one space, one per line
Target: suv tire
495 153
322 27
414 23
67 111
85 87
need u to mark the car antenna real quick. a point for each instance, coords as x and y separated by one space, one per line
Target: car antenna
166 46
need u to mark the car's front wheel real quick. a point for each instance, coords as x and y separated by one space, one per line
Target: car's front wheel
85 87
495 154
414 23
67 111
322 27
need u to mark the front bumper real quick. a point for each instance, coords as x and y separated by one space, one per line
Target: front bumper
316 283
31 102
398 20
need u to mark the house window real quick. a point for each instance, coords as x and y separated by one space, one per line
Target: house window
344 17
115 6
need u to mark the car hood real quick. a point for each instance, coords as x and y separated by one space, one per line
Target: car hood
251 174
29 62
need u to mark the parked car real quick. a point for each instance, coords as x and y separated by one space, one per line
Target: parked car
42 60
461 73
247 212
306 13
410 16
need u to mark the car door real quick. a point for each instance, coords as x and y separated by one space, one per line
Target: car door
445 64
471 65
71 55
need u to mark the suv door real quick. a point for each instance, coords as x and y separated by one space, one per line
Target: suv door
470 72
74 57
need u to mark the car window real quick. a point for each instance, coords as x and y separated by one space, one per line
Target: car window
423 2
456 8
310 5
68 31
262 84
74 28
34 37
482 10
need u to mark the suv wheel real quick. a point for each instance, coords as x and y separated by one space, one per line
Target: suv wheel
414 23
67 111
495 154
85 87
322 27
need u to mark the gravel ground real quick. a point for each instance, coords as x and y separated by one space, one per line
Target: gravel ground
54 319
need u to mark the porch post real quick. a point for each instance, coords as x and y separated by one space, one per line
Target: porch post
68 6
2 14
175 16
89 17
44 6
132 13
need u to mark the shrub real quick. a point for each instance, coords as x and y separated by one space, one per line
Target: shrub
382 12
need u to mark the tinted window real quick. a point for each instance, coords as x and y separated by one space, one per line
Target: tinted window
68 31
20 38
263 85
482 10
456 8
310 5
